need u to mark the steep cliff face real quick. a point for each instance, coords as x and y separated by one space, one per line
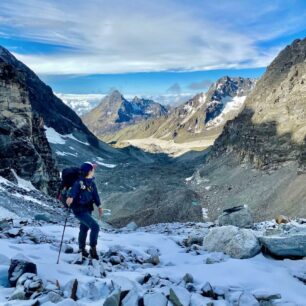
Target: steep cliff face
54 112
23 145
272 128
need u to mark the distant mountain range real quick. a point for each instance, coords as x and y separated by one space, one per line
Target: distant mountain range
115 112
198 121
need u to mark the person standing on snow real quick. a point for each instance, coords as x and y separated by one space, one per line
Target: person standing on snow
81 198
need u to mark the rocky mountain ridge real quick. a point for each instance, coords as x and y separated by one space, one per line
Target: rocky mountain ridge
201 118
114 112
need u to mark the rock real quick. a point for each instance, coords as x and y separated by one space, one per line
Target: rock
215 257
208 291
235 242
17 268
261 295
247 299
68 249
26 286
6 224
14 232
280 219
154 260
54 297
132 226
115 260
191 287
154 299
286 244
239 216
197 299
188 278
179 296
193 239
42 217
131 299
113 299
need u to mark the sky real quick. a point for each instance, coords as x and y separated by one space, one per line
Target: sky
146 47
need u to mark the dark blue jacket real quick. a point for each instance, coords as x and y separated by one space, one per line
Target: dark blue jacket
84 193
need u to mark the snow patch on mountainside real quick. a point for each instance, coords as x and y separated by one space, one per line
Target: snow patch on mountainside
231 107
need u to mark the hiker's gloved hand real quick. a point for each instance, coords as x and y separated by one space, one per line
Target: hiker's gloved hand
69 201
100 210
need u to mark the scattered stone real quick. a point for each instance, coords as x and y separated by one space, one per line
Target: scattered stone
68 249
208 291
54 297
132 226
197 299
179 296
266 296
27 285
154 260
113 299
131 299
191 287
42 217
155 299
239 216
215 257
6 224
193 239
233 241
280 219
247 299
14 232
188 278
18 267
115 260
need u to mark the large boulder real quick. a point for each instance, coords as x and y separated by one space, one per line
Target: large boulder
290 243
233 241
239 216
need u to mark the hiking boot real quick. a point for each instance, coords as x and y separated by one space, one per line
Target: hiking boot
84 252
93 253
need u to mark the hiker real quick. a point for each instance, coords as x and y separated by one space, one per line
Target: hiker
81 198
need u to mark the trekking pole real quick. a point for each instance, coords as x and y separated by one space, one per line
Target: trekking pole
59 253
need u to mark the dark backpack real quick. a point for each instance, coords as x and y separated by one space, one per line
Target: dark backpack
69 176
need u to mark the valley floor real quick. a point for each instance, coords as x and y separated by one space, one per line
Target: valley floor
174 149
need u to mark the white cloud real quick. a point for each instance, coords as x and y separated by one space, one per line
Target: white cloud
132 36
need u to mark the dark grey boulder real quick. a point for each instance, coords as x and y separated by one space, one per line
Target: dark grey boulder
18 267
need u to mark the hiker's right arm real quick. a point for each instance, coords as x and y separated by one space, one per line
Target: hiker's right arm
75 190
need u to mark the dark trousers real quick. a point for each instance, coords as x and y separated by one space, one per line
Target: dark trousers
87 222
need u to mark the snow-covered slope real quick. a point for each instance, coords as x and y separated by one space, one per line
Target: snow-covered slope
126 263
